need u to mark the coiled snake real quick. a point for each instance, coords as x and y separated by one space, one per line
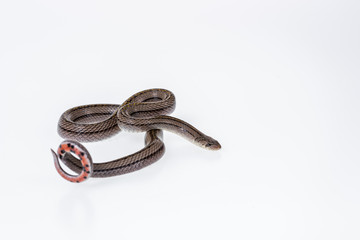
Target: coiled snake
144 111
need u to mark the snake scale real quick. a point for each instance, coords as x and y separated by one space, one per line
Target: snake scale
146 111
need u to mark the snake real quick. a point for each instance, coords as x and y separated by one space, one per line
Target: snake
146 111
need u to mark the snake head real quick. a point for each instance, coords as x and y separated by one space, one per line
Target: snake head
208 143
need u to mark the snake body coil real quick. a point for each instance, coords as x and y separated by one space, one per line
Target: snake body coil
145 111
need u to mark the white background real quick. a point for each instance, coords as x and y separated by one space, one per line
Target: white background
276 82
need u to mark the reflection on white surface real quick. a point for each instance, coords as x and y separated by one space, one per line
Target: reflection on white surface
276 82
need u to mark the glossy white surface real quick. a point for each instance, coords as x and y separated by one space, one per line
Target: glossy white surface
276 82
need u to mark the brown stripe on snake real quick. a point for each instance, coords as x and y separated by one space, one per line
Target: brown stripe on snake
153 151
144 111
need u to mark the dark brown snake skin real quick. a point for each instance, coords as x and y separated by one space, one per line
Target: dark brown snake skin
145 111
